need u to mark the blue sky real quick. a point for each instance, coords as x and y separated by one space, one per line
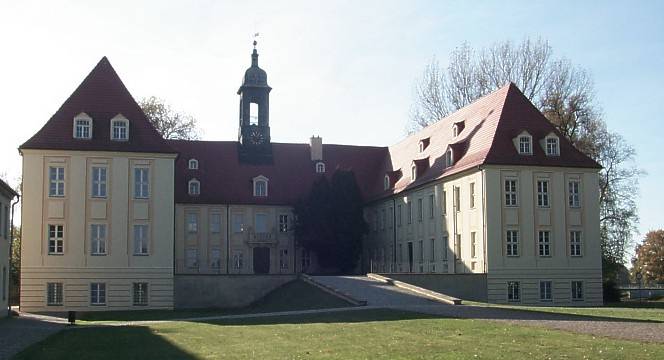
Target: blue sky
343 70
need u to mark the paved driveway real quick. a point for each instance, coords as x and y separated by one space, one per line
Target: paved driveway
376 293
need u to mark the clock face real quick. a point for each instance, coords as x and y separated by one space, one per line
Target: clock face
256 136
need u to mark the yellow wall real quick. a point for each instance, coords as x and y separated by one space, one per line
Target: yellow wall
76 268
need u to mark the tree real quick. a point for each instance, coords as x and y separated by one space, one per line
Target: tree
649 260
565 94
168 122
330 221
15 265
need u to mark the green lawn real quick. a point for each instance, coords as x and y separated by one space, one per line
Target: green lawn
295 295
365 334
647 311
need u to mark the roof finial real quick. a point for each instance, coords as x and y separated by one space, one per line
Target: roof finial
255 42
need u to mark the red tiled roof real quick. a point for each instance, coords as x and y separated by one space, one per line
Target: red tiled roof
102 96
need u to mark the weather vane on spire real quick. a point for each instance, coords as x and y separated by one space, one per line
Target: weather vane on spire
255 42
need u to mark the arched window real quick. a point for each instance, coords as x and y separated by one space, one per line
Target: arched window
413 172
82 126
455 129
421 146
320 167
193 164
386 182
194 187
253 114
449 158
260 186
119 128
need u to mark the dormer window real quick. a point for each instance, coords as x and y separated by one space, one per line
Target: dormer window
424 143
83 126
455 130
552 146
421 146
194 187
458 128
260 186
119 128
386 182
413 172
525 145
449 158
320 167
193 164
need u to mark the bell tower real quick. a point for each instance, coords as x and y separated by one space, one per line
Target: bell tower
254 131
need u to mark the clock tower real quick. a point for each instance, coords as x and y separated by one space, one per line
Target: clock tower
254 132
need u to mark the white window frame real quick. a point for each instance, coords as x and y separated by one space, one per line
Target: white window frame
320 167
513 291
525 144
140 294
546 291
238 260
512 243
472 195
552 148
283 223
283 259
257 190
473 244
215 258
449 158
544 243
455 130
577 290
192 222
511 193
215 223
575 243
54 294
141 182
142 241
56 181
56 240
99 182
194 187
543 193
413 172
264 219
98 294
83 122
421 146
192 164
574 191
121 136
238 223
98 236
191 258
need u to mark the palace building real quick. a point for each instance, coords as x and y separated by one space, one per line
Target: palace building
491 199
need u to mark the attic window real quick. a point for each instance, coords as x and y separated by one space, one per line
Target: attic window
552 146
421 146
193 164
260 186
455 130
449 158
525 145
194 187
320 167
119 128
413 172
458 128
82 126
386 182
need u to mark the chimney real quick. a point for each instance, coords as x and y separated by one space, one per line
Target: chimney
316 145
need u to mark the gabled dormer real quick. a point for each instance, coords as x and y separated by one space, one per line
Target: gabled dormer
260 186
423 144
458 127
82 128
119 128
418 167
551 144
524 143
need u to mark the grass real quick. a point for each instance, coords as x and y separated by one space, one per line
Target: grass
364 334
631 310
295 295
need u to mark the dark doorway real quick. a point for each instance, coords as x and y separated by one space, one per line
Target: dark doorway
410 257
261 260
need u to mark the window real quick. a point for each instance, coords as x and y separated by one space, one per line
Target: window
544 242
119 129
253 114
449 159
510 193
432 250
552 148
421 146
545 291
575 243
413 172
399 215
457 198
83 127
238 260
444 201
421 254
383 219
386 182
283 259
98 182
525 146
97 294
420 210
191 259
141 183
457 246
577 290
410 212
283 223
261 223
260 188
215 223
473 245
306 259
56 239
192 223
513 291
98 239
512 242
56 176
455 130
193 164
238 223
472 195
320 167
432 205
215 258
140 293
574 198
194 187
444 247
54 294
543 193
140 239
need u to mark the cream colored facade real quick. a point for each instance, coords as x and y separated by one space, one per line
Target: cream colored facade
220 239
57 245
462 224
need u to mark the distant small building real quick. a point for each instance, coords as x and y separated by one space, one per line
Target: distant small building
7 194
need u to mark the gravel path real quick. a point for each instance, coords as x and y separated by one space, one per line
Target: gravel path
17 333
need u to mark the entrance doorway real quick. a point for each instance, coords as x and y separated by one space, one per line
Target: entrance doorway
261 260
410 257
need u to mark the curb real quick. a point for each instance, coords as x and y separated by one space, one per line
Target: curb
416 289
342 295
